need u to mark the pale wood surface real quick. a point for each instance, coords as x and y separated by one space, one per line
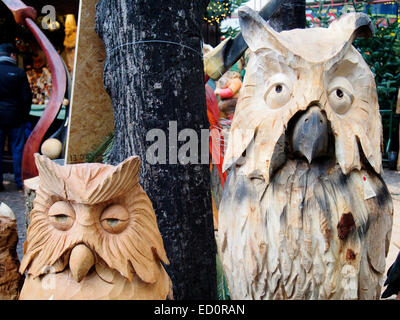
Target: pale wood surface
307 75
91 109
291 228
287 239
32 183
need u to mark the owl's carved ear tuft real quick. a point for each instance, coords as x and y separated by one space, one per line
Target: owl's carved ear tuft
132 163
252 27
51 175
119 180
257 33
39 159
352 26
44 161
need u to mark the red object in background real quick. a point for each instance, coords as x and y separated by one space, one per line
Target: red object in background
212 106
216 139
226 93
23 15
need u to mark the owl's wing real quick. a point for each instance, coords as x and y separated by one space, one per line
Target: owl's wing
380 228
372 206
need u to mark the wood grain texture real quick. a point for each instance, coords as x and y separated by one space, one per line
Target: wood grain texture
10 279
305 213
93 234
91 113
289 239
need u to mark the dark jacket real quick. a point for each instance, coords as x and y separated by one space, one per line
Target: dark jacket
15 95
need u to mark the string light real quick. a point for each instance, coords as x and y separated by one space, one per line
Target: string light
217 10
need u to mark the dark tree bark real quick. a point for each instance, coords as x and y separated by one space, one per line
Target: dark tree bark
151 84
290 15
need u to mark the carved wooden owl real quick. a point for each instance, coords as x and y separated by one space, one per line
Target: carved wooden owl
305 213
93 235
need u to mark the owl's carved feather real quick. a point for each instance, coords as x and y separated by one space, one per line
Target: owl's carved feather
284 240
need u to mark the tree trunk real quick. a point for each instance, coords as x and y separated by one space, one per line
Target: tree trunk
290 15
154 75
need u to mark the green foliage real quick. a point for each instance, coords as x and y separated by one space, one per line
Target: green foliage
107 151
101 152
230 32
320 13
381 52
222 287
218 10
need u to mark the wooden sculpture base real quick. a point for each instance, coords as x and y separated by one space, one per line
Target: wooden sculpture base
10 279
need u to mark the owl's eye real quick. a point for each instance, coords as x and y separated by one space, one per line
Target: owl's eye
340 95
278 92
61 215
114 218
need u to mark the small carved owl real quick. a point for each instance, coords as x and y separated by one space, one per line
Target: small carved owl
305 213
93 235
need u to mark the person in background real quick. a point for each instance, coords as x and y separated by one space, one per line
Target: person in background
15 104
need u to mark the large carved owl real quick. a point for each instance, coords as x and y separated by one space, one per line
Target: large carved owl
93 235
305 213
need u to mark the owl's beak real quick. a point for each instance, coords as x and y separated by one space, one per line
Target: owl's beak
81 261
310 134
